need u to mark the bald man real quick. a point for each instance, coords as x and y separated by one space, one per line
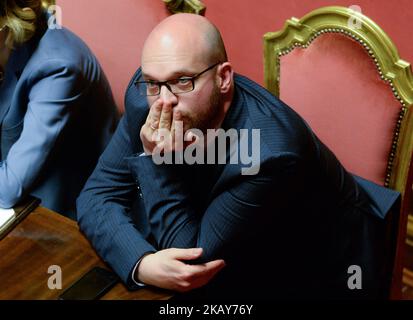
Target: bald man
288 225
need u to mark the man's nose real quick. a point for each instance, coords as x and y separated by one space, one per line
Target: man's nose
167 95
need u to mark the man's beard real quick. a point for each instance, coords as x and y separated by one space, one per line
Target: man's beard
208 118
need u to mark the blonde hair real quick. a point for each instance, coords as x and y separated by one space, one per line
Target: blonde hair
21 18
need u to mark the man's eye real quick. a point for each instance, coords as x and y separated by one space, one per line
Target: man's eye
151 84
184 81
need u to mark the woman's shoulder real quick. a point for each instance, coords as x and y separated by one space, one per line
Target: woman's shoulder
57 49
62 45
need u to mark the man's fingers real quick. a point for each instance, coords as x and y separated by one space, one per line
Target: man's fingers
185 254
150 126
154 115
215 264
198 275
211 267
176 122
177 131
166 116
177 116
154 125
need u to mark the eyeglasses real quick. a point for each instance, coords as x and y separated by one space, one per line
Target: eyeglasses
176 86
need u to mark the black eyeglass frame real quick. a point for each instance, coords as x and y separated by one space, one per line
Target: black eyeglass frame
167 83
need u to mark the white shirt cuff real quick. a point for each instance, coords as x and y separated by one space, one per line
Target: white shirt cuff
140 284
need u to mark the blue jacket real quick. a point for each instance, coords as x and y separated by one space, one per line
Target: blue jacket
292 230
57 114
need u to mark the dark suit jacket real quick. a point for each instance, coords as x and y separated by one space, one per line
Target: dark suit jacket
57 115
289 231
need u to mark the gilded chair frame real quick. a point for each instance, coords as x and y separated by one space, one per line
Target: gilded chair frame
300 33
185 6
47 3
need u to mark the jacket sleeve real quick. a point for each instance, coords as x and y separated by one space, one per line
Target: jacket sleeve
175 221
55 92
104 205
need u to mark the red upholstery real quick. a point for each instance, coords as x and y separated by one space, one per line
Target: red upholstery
335 86
115 31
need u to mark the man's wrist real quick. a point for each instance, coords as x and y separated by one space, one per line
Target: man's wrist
135 272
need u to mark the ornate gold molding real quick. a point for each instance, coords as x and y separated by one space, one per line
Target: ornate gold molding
187 6
46 3
393 70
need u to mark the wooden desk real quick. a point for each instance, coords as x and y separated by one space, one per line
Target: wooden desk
45 238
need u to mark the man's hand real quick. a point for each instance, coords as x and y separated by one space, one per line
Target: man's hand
163 129
148 130
167 269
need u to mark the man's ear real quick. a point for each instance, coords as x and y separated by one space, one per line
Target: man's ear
225 77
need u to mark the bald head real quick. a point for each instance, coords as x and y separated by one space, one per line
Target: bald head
185 36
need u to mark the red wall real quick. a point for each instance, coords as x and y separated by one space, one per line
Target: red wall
115 30
243 23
